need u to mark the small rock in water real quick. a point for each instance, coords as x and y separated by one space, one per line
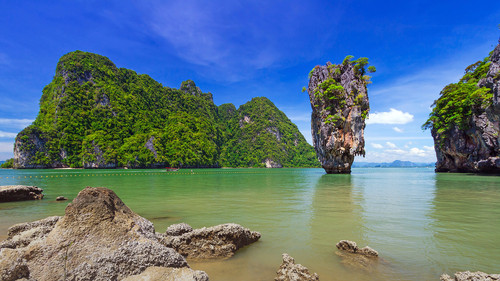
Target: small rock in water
471 276
351 247
289 271
61 198
354 257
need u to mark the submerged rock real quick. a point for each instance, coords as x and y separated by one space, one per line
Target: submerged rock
9 193
471 276
339 102
98 238
289 271
220 241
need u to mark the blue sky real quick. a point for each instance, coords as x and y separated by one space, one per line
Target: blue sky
242 49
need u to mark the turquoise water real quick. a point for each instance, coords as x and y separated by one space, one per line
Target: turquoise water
422 224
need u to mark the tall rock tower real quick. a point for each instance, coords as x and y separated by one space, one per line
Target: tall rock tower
339 102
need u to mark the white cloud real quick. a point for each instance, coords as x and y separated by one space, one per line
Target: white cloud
393 116
7 135
397 129
15 123
390 144
376 145
6 147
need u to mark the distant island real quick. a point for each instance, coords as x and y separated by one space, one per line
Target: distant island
95 115
394 164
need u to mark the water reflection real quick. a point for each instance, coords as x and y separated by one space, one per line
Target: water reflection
466 223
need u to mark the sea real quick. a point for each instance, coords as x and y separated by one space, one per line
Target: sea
421 223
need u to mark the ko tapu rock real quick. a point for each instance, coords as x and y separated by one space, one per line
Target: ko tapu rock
339 102
465 120
100 238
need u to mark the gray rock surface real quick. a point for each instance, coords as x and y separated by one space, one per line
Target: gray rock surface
98 238
178 229
220 241
470 276
476 149
22 234
290 271
338 115
9 193
169 274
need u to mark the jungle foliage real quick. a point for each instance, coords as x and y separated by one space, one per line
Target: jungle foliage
459 101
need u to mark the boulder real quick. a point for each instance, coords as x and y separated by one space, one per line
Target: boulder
98 238
61 198
289 271
471 276
9 193
220 241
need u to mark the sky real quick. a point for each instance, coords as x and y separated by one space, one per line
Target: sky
238 50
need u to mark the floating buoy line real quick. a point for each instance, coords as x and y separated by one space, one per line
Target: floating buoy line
166 173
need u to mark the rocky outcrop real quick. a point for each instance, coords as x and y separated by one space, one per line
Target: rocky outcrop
475 145
98 238
10 193
289 271
339 102
220 241
470 276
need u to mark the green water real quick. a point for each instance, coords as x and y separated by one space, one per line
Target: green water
422 224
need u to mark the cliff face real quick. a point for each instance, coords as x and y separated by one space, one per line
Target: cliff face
95 115
339 102
465 120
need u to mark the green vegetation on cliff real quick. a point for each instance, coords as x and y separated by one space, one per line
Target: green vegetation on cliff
96 115
459 101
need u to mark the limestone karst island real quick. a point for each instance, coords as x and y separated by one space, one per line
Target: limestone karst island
229 140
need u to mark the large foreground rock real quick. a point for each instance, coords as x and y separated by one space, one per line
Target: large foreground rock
289 271
9 193
220 241
339 102
471 276
98 238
